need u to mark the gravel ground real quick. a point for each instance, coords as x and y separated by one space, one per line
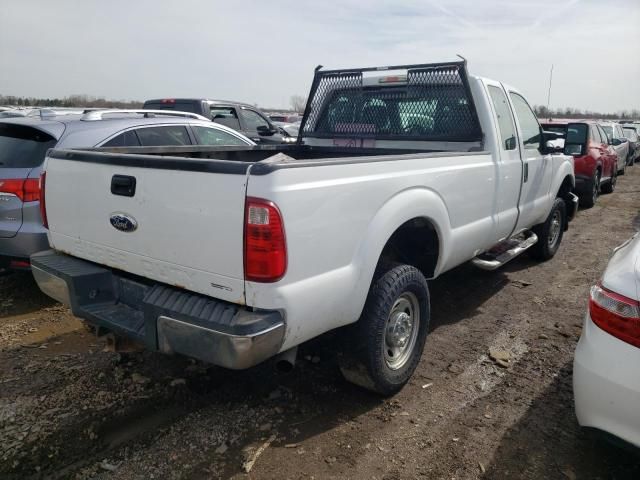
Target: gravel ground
71 409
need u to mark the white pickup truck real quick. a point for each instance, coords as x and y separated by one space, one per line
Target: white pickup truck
236 255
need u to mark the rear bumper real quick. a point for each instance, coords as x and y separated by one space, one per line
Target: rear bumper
164 318
22 246
606 384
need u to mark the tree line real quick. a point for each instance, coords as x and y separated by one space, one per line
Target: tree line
544 112
70 101
297 103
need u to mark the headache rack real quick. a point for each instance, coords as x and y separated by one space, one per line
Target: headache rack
94 115
426 102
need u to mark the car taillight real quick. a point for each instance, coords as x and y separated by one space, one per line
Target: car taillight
26 190
43 205
265 247
615 314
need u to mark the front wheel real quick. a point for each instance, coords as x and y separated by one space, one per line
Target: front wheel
385 345
550 232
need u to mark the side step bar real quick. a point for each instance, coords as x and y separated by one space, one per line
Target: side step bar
504 252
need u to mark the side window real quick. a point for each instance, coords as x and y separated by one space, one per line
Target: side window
213 136
528 122
126 139
252 120
225 116
505 118
174 135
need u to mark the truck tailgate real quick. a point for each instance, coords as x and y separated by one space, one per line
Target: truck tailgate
182 226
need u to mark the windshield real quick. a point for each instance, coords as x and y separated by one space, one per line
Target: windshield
608 130
23 147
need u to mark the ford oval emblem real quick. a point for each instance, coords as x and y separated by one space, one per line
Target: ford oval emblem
123 222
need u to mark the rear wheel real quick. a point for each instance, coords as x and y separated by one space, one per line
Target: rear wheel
610 186
550 232
588 200
384 347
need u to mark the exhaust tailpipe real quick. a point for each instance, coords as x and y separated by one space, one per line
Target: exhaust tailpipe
286 360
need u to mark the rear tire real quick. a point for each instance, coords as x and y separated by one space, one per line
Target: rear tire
550 232
610 186
384 347
589 200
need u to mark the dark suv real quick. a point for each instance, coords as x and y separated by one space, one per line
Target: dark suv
242 117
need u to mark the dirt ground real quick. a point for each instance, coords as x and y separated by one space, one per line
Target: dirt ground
68 409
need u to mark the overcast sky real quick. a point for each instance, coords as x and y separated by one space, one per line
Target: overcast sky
265 51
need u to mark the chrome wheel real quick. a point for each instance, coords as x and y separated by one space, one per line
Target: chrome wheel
554 228
401 330
596 188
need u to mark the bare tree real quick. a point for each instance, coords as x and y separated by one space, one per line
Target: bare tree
298 102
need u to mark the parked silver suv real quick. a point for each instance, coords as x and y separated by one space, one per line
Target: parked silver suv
25 141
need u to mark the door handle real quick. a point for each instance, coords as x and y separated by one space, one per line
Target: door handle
123 185
525 174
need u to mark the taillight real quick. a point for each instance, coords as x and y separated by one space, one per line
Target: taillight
615 314
265 247
43 204
26 190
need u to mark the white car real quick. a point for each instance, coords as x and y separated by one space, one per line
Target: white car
606 368
619 143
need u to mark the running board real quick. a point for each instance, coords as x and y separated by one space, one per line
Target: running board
504 252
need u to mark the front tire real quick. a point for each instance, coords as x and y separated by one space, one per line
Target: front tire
385 345
550 232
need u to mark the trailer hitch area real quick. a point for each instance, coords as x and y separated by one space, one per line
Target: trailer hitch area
118 344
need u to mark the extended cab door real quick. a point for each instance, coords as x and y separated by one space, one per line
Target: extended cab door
537 168
509 176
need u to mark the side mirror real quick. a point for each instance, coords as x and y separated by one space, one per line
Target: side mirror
265 130
574 149
615 142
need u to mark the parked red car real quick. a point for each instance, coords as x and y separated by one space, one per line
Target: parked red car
594 159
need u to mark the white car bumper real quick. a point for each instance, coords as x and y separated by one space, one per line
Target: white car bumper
606 383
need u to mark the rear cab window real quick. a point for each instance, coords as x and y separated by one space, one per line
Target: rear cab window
193 107
505 118
226 116
22 146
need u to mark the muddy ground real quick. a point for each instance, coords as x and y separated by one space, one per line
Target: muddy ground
68 409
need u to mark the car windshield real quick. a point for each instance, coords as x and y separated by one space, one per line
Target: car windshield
23 147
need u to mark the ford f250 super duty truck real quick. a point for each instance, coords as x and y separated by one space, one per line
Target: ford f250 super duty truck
235 255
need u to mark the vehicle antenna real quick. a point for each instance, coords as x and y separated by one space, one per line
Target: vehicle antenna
549 94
